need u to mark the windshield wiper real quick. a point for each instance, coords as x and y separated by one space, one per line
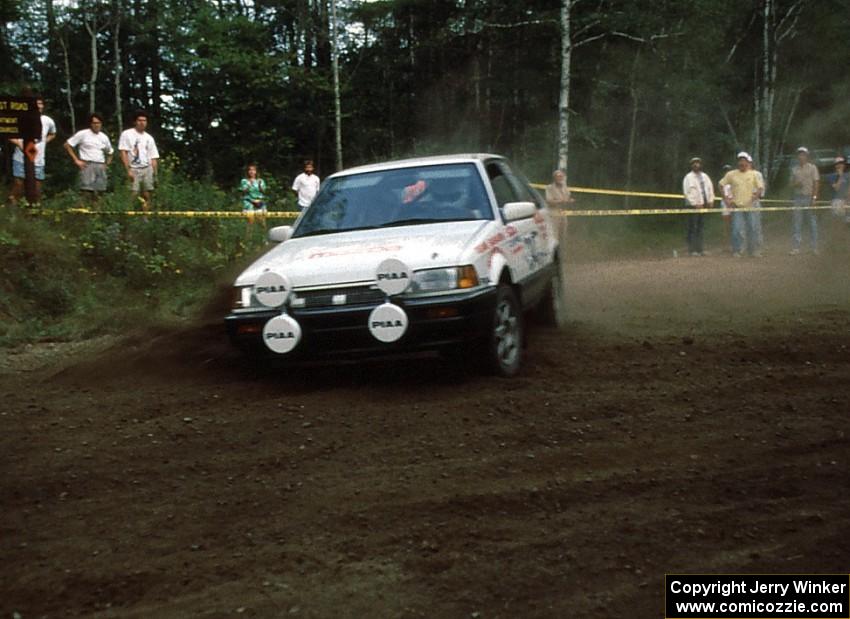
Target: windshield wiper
419 220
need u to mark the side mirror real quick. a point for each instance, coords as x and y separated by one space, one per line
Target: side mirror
279 234
519 210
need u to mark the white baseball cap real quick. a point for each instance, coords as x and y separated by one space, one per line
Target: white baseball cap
744 155
803 149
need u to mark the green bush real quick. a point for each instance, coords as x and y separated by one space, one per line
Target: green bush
67 275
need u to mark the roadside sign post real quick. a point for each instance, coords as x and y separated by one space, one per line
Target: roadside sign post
20 118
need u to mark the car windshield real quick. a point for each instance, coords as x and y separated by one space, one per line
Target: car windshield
400 197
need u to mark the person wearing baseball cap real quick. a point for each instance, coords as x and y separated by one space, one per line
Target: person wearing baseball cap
840 183
804 181
699 194
744 189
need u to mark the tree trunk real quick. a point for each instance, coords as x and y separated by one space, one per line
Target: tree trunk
306 18
335 67
564 99
155 67
776 26
68 95
765 92
116 42
90 21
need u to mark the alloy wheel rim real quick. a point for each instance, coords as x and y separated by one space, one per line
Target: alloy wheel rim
506 334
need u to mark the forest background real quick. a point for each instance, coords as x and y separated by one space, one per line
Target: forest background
635 87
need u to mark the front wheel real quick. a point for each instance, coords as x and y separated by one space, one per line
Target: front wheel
504 342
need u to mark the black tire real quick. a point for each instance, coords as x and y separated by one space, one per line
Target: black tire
552 310
503 348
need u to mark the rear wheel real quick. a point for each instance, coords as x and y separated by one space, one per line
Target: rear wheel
504 342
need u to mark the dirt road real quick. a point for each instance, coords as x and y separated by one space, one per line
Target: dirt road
692 418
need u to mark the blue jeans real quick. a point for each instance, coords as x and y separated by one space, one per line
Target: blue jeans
746 226
757 224
797 218
695 228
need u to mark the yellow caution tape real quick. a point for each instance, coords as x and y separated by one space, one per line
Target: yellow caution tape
618 192
680 211
567 212
216 214
646 194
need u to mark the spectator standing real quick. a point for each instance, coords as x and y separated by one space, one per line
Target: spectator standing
306 186
48 132
725 192
91 151
557 193
804 181
757 205
743 189
140 158
699 194
840 183
558 196
253 190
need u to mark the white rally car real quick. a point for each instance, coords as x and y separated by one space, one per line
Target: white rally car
437 253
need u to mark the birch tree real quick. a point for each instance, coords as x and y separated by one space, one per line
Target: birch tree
564 98
93 24
57 29
778 25
116 47
567 47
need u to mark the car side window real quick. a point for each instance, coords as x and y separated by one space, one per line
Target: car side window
502 187
521 188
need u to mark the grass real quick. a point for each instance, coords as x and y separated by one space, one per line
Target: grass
69 276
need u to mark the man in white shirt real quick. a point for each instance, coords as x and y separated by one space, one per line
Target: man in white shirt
140 158
306 186
699 194
92 156
48 132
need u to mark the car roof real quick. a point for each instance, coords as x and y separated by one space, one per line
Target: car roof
417 161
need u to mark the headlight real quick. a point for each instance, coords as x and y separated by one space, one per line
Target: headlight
241 297
454 278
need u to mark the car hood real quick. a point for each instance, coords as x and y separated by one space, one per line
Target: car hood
348 257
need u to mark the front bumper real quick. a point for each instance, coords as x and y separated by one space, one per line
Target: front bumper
435 323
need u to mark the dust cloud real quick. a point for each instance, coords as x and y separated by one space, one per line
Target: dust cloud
714 293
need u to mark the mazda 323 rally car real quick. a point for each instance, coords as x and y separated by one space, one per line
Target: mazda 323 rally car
439 253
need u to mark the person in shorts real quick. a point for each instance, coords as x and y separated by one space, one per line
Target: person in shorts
253 190
91 151
140 158
48 132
